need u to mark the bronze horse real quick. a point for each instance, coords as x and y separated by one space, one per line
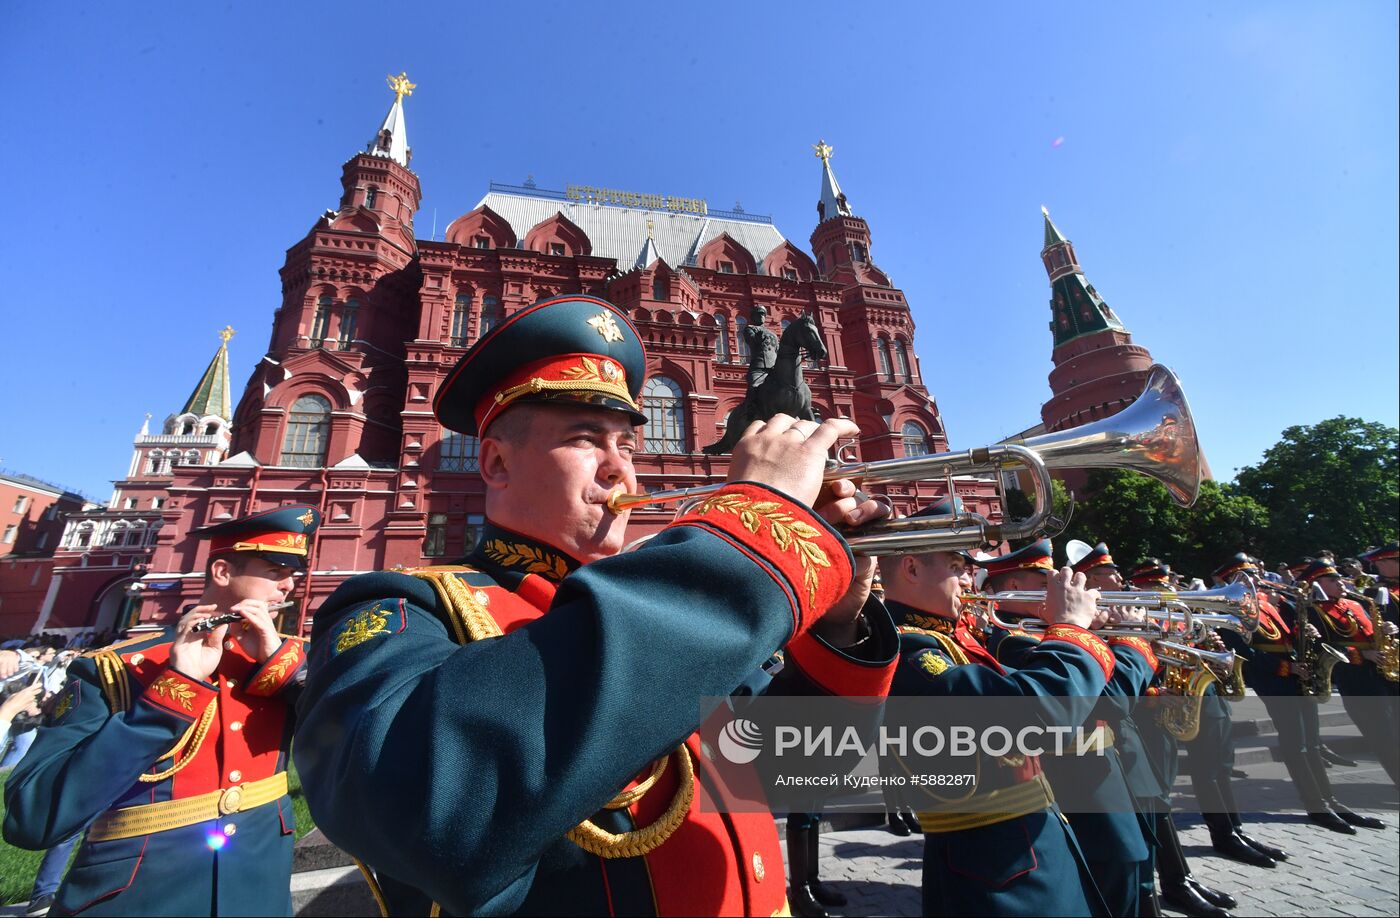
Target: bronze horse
784 391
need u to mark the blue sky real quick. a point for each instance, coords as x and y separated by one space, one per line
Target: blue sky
1227 172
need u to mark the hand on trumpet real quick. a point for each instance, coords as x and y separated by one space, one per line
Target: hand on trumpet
842 505
788 454
1068 601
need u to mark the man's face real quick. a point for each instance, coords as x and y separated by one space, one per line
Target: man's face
1389 568
1032 579
1351 569
552 483
931 582
253 578
1331 586
1104 577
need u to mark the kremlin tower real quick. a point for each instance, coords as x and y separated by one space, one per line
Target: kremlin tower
1098 370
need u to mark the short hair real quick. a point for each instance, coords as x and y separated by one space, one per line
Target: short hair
236 560
513 425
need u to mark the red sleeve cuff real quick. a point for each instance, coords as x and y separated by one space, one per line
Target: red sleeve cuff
838 674
800 551
1073 634
179 694
277 670
1138 644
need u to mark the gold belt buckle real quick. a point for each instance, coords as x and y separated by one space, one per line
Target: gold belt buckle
231 800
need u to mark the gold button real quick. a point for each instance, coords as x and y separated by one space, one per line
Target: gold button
137 659
231 829
236 726
228 645
758 867
235 776
230 683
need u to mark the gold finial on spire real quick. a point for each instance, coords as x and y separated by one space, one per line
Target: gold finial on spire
1044 211
650 226
823 150
227 333
401 86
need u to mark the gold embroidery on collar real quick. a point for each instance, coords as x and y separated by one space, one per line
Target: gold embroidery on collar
533 560
787 532
369 623
931 622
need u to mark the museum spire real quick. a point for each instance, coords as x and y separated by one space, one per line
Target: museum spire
392 139
832 202
211 396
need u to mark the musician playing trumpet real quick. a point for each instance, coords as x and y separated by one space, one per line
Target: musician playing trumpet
1274 668
171 749
1370 698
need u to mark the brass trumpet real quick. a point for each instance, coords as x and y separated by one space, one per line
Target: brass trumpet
1154 436
1233 607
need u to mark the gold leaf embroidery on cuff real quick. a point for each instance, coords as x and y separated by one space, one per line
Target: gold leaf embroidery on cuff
171 687
786 532
276 670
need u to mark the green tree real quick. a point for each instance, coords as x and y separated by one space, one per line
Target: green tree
1332 485
1138 519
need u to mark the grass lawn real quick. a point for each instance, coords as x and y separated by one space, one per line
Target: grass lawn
18 866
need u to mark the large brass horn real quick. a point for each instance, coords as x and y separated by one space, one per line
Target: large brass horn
1154 436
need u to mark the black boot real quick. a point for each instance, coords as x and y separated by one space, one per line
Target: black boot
1178 887
1331 758
1213 896
1269 851
1355 819
823 893
1236 848
1183 897
800 896
1329 820
1149 905
894 823
912 822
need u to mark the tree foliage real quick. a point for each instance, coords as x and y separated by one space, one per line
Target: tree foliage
1335 484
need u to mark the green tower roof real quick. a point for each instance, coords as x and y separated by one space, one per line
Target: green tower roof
211 396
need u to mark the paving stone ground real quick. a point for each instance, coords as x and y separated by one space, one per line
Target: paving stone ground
1327 873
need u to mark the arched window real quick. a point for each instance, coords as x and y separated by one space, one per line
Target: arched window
882 350
740 341
191 458
371 196
461 315
491 313
722 339
321 321
153 461
349 319
901 356
659 291
457 452
665 430
308 433
915 439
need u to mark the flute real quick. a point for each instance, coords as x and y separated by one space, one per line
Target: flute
225 618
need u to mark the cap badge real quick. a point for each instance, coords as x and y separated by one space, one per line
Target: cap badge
610 371
605 325
306 518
